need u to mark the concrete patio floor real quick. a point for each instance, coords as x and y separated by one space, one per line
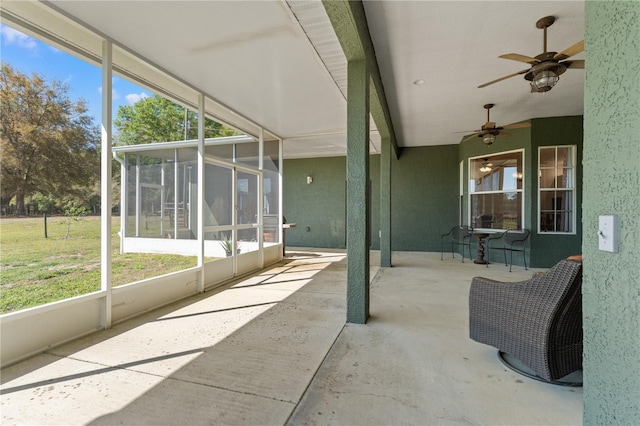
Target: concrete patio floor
273 349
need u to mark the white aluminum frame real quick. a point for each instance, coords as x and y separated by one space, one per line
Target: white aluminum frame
574 155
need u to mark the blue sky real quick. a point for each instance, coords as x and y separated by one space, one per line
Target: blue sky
28 55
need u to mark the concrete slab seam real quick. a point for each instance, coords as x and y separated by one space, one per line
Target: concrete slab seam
306 389
232 390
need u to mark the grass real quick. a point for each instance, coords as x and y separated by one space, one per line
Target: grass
35 270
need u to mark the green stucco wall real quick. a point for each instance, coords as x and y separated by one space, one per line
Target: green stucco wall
319 206
424 197
546 250
611 288
424 189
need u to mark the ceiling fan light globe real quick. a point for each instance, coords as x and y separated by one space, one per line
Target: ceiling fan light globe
488 139
544 80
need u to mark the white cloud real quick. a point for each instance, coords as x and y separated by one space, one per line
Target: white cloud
11 36
132 98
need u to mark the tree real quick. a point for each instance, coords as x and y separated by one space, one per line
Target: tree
47 141
157 119
74 212
46 203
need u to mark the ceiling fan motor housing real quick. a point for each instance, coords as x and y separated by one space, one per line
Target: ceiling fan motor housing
549 64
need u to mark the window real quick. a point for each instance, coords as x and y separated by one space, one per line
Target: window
495 190
556 196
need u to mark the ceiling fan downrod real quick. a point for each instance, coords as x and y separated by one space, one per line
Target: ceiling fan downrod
488 108
545 23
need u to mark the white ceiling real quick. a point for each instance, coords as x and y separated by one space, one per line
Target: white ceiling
279 63
454 46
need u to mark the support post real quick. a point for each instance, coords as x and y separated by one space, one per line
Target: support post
280 232
105 184
261 198
385 203
162 197
138 197
201 189
176 187
124 200
358 192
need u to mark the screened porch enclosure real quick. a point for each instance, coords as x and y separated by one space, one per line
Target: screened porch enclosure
160 202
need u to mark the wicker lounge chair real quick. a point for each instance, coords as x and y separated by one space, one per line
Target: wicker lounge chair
538 321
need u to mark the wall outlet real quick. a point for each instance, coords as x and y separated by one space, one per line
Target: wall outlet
307 228
608 233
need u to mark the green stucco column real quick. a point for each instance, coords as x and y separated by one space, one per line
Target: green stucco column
358 192
385 203
611 281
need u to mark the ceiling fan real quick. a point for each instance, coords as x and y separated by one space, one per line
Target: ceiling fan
489 131
546 67
486 166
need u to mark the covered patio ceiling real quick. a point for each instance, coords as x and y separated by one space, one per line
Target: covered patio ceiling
280 65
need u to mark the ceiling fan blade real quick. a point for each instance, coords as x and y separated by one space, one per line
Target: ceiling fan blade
505 134
577 64
570 51
469 131
520 58
470 137
517 125
503 78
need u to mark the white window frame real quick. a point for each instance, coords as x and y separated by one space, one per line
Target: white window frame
572 189
521 190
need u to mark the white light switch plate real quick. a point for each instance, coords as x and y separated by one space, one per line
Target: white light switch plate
608 233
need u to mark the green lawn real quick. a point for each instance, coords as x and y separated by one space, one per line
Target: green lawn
36 270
